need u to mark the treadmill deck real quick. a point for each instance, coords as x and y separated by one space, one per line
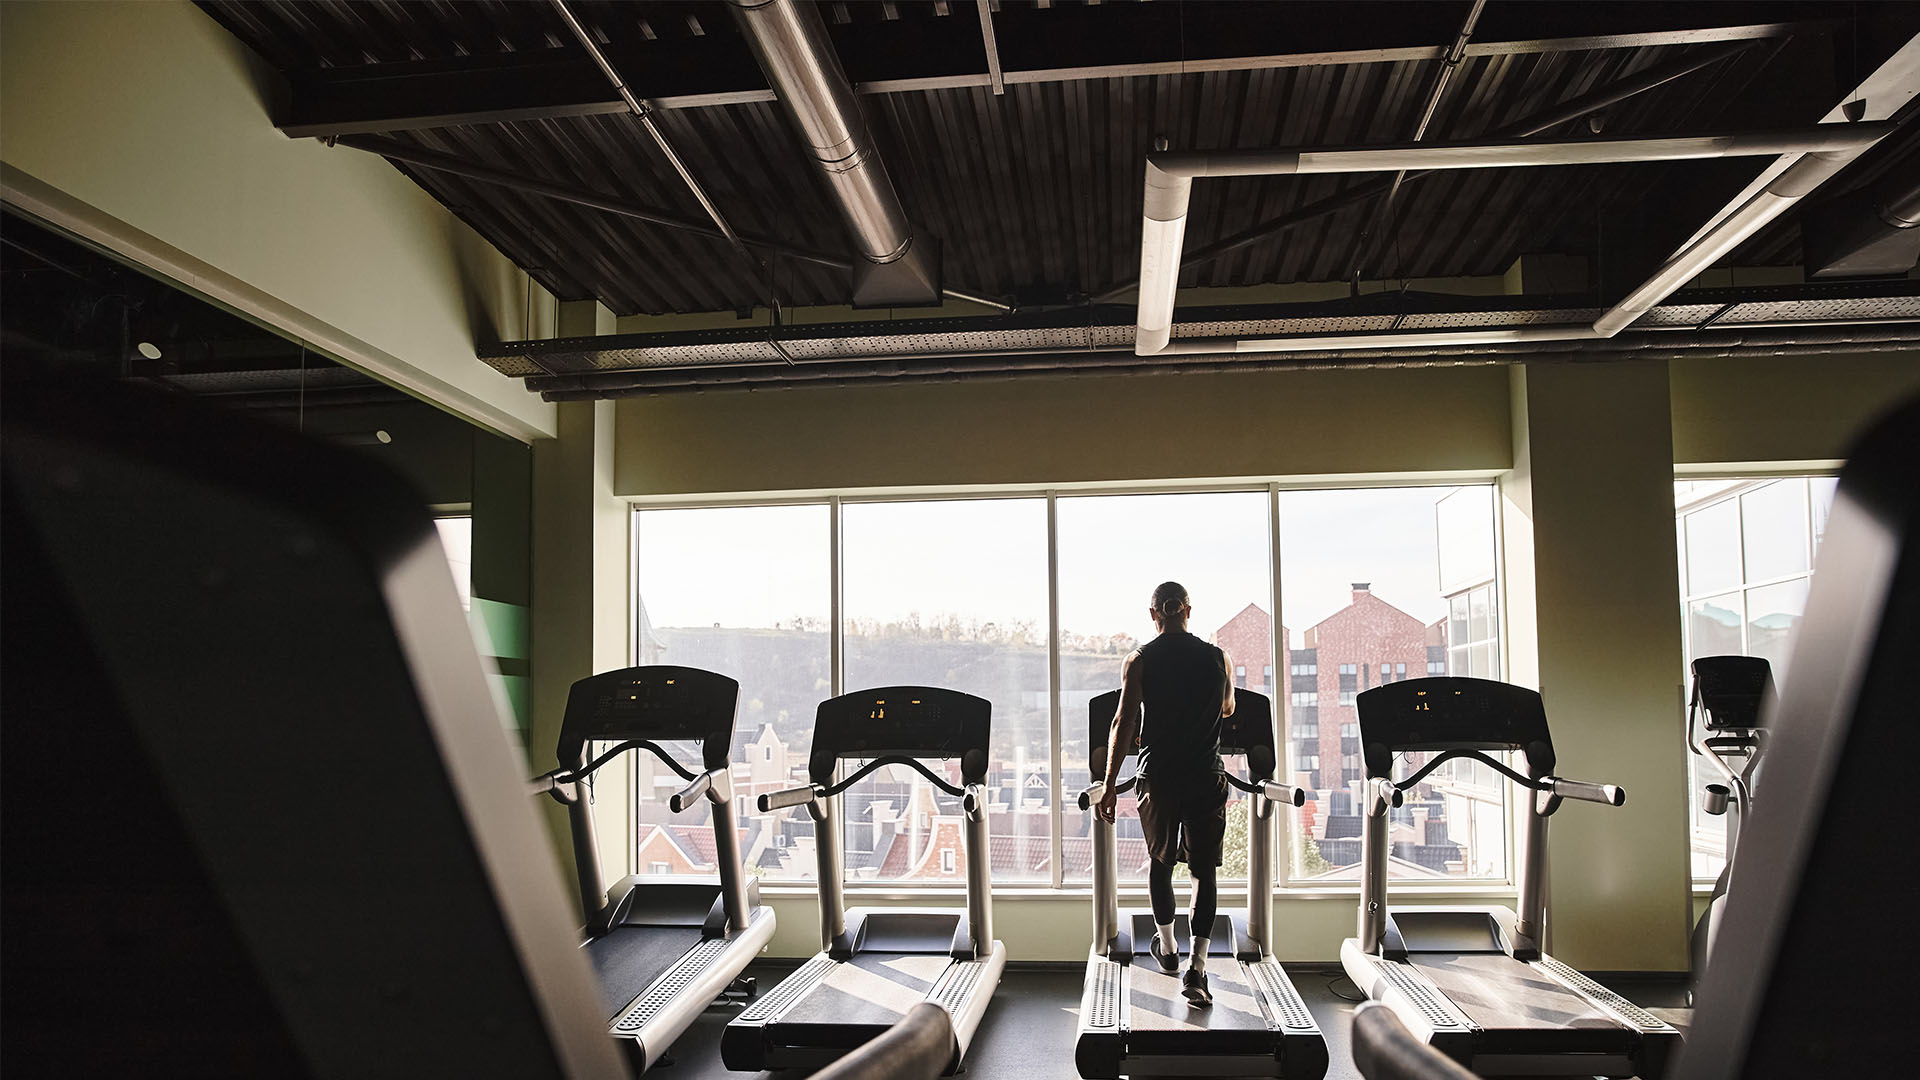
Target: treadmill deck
1500 993
872 989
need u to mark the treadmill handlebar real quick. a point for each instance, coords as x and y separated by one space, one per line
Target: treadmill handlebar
1284 794
1098 789
552 785
780 800
701 785
974 802
1610 794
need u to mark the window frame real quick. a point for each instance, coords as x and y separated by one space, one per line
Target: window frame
1738 486
1277 646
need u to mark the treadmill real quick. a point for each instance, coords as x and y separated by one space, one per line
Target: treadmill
876 964
1724 728
1133 1019
1474 982
662 951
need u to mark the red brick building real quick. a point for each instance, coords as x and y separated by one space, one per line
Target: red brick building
1365 644
1248 641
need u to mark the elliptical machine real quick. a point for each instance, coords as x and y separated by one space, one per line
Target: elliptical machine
1723 727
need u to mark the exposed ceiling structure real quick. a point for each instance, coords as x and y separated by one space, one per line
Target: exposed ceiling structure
667 158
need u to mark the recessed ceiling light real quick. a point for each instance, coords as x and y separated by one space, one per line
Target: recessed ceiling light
149 350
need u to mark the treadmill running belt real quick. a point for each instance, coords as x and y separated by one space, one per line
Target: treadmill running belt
627 960
1498 992
1159 1020
871 989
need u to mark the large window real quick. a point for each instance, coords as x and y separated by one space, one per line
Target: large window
744 591
1371 581
1746 557
957 593
952 594
456 536
1113 551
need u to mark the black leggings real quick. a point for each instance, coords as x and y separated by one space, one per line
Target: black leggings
1206 895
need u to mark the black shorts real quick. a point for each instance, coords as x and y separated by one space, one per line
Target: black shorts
1185 821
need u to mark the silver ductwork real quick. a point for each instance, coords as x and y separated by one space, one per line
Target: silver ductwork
790 42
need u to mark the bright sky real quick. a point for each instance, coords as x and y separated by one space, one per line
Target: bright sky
985 559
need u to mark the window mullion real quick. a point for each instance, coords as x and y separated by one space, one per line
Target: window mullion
836 649
1281 689
1056 822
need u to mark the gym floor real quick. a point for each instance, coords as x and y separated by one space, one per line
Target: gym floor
1029 1027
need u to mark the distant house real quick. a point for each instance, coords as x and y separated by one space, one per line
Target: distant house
1247 639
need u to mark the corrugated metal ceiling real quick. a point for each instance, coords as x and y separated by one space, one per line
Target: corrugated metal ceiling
1034 193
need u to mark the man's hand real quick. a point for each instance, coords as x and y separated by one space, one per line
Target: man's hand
1106 805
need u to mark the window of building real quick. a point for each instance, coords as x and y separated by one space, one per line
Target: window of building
1356 579
1240 676
953 594
946 860
456 536
1104 585
1746 552
659 868
742 590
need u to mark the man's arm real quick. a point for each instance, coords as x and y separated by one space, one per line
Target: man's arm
1126 720
1226 672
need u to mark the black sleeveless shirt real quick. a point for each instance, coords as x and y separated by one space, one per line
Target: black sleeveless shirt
1183 682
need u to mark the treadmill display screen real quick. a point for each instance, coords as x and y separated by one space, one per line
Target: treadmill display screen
659 703
914 721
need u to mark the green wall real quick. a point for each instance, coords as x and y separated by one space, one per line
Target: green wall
1084 429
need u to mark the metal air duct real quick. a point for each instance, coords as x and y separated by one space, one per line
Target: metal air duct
790 42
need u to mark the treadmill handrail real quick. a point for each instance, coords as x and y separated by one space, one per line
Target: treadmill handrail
1098 790
913 763
794 796
711 784
1282 794
566 775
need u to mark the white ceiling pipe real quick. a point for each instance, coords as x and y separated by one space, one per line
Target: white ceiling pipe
1506 153
1815 155
1386 339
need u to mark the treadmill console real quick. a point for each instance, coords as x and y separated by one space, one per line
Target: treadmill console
659 703
908 721
1248 731
1730 689
1452 713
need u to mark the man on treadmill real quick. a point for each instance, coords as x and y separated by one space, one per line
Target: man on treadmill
1178 687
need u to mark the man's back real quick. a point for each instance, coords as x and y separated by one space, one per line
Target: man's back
1183 683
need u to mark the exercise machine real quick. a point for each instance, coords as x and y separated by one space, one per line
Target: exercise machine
661 950
263 817
1133 1019
1724 729
1779 1007
1476 982
876 964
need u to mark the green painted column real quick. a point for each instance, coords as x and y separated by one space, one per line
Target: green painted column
1594 620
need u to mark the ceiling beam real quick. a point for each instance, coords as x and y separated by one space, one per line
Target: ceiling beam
1032 46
